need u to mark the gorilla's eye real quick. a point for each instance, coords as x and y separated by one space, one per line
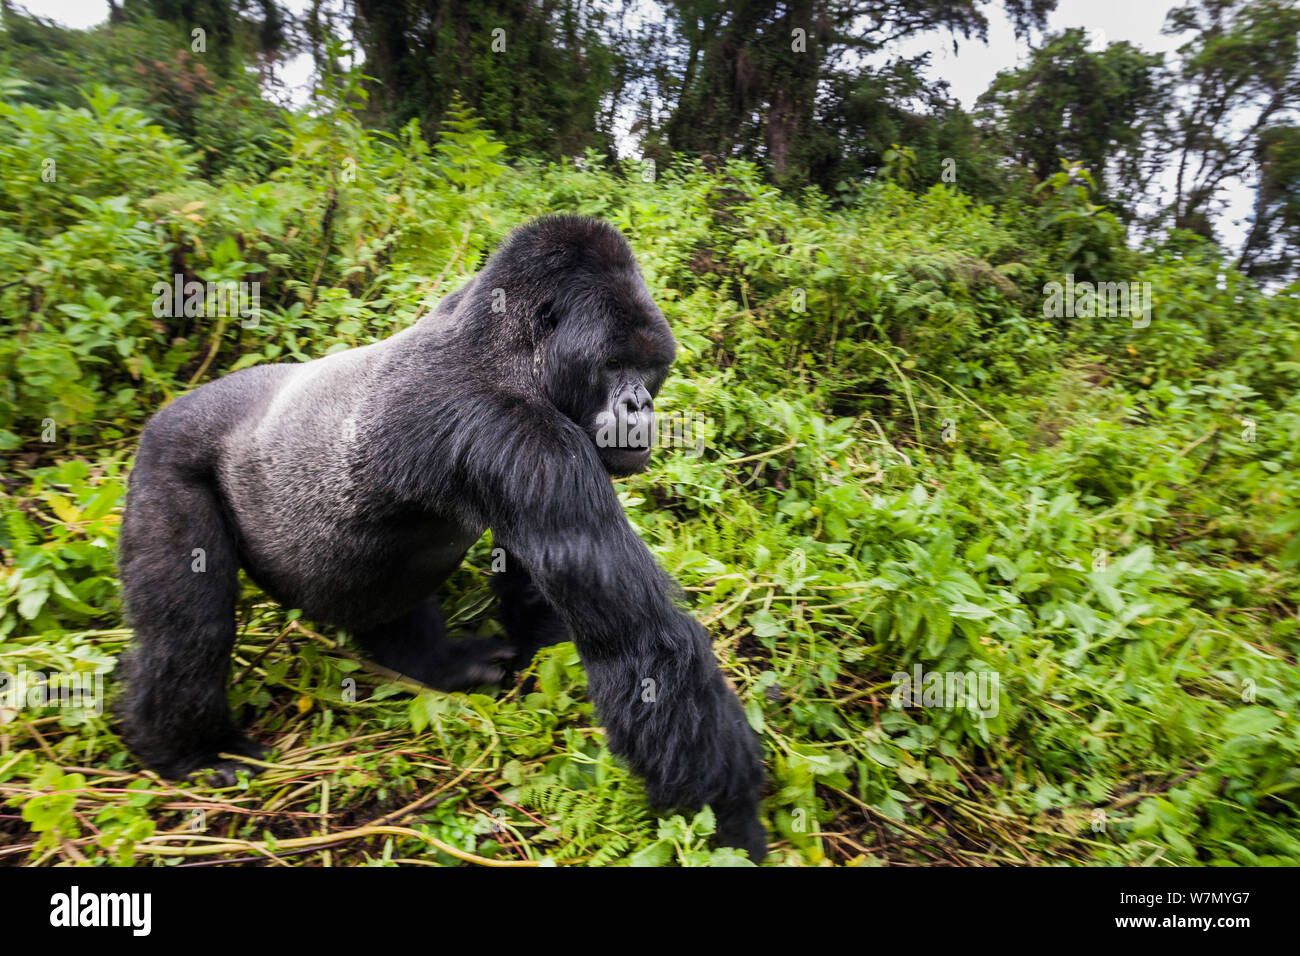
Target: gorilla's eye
613 365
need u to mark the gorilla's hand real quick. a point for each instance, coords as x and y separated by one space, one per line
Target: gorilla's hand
673 717
739 827
737 816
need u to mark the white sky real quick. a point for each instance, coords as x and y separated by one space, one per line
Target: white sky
968 72
972 68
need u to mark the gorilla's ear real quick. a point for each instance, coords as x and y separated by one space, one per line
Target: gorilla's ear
546 319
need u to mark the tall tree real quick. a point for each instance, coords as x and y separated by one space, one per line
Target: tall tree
1239 77
233 30
749 72
1103 108
538 73
1272 248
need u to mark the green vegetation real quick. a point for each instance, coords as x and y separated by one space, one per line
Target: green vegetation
906 463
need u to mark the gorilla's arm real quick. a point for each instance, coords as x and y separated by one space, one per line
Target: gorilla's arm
651 670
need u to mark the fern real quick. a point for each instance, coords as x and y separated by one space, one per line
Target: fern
603 823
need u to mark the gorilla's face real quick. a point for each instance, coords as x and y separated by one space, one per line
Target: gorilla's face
605 365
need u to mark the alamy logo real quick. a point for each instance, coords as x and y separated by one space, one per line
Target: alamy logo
1131 300
977 691
666 430
195 299
35 689
74 908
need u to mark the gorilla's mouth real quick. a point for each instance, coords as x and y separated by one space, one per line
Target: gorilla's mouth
625 461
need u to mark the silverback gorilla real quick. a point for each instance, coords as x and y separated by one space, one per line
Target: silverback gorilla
352 485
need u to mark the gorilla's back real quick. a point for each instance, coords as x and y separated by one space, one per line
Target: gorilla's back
312 531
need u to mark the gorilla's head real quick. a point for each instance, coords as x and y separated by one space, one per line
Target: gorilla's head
601 347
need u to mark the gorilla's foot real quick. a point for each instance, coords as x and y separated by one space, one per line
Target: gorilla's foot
215 770
470 662
223 772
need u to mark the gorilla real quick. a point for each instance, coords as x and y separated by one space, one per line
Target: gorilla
352 485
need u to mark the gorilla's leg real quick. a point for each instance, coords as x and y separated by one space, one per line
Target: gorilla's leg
416 646
529 619
180 581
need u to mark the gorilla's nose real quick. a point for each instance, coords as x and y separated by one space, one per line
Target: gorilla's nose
633 407
635 410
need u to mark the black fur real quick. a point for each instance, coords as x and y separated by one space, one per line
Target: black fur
352 485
